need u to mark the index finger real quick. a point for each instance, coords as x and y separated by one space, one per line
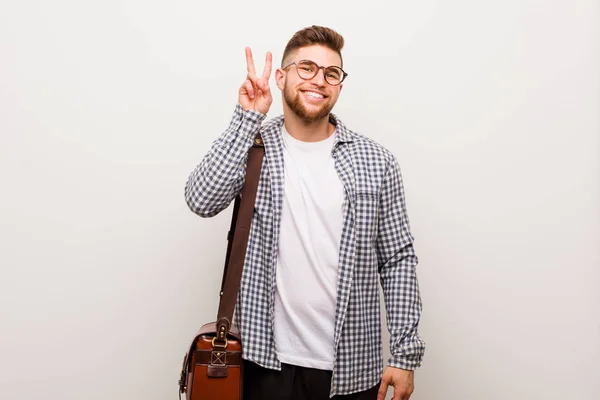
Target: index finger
250 62
268 65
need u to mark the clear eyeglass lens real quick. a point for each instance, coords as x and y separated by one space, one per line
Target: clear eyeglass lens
333 75
308 70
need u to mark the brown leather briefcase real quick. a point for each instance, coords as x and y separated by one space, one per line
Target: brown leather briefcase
213 372
212 368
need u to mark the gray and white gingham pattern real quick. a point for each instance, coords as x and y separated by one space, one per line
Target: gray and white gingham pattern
376 247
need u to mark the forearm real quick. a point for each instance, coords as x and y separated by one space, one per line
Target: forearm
216 181
403 307
397 268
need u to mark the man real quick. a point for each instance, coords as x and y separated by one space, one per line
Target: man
329 223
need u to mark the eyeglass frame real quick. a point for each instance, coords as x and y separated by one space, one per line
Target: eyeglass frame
317 73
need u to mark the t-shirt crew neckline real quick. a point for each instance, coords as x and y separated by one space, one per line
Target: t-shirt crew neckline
289 139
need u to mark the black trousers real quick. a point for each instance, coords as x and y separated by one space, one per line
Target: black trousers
293 383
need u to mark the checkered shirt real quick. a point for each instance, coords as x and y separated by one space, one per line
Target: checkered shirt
376 247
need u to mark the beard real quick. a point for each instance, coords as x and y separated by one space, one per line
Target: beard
294 101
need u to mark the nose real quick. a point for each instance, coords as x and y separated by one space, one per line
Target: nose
319 79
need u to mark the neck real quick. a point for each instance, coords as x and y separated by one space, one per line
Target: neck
307 131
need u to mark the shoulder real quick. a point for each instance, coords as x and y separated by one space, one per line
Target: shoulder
364 147
372 147
272 126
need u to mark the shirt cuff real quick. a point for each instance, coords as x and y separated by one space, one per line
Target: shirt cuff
406 361
249 115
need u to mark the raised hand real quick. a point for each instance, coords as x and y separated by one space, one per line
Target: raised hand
255 94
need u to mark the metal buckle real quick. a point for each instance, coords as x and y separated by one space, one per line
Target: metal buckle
215 339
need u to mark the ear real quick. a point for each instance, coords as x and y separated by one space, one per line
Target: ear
280 78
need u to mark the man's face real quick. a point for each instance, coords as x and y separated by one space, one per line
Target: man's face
311 99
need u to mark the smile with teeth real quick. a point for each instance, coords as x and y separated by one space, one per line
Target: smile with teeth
313 95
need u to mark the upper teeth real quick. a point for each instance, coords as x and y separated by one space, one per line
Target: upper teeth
315 95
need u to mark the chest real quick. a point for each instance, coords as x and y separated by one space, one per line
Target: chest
312 182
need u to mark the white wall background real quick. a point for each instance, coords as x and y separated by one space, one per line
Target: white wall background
492 107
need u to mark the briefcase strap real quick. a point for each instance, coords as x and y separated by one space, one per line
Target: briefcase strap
238 242
234 261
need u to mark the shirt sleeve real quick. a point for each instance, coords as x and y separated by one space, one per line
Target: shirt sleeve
397 268
219 178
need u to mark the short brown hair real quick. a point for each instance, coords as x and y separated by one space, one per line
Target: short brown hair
315 35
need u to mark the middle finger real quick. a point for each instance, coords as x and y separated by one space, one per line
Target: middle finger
268 66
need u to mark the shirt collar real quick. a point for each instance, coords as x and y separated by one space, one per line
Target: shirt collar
344 135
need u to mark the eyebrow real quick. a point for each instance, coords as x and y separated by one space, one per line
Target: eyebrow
306 59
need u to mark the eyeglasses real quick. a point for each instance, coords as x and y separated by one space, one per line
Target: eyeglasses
308 69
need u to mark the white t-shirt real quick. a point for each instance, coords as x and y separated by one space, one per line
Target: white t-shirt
307 265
